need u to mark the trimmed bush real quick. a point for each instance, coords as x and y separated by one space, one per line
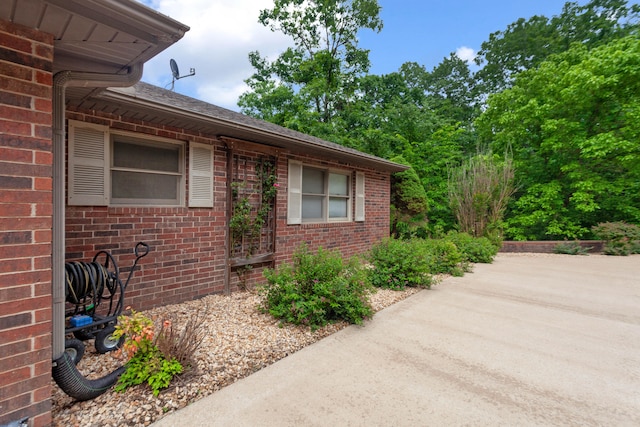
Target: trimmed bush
397 264
620 238
473 249
317 289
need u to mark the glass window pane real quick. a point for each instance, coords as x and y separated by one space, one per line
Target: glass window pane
134 185
137 156
338 207
312 181
338 184
312 207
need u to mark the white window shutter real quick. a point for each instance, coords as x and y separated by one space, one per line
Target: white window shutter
359 216
88 164
200 175
294 199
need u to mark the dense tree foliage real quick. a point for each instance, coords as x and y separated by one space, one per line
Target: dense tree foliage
574 126
311 81
525 44
561 92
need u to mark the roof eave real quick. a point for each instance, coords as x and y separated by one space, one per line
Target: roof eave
286 141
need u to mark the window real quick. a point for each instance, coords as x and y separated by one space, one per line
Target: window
144 173
115 168
320 195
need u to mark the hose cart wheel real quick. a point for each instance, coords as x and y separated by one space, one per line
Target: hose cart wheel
106 342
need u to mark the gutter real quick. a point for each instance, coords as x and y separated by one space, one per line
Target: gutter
61 81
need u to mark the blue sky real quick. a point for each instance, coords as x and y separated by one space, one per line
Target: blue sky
223 32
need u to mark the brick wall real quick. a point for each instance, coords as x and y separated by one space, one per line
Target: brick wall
548 246
349 238
25 224
187 258
187 255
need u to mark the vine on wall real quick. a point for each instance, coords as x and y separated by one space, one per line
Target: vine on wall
253 202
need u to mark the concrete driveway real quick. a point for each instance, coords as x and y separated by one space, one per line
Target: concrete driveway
528 340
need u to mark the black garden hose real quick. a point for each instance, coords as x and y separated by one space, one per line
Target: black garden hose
73 383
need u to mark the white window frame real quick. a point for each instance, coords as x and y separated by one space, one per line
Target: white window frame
296 195
90 164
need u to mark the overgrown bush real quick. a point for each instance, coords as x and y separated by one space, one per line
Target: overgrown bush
400 263
619 238
473 249
445 257
317 289
570 248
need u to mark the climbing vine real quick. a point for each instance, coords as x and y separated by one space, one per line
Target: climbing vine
248 220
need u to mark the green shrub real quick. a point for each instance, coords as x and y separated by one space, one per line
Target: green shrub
474 249
317 289
445 257
619 238
571 248
399 263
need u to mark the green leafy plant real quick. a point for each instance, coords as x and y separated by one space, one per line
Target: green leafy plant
146 363
397 264
247 221
473 249
445 257
571 248
316 289
619 238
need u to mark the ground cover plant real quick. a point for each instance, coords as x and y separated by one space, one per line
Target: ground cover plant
619 238
571 248
316 289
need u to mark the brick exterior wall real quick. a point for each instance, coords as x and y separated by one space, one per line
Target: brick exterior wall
187 258
593 246
26 158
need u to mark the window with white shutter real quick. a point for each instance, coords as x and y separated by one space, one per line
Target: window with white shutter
321 195
115 168
200 175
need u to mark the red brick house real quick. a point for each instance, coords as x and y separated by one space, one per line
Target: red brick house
92 160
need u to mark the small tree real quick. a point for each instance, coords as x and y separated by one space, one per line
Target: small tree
479 191
409 203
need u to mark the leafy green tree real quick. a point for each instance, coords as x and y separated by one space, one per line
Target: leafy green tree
574 126
451 87
409 203
527 43
311 81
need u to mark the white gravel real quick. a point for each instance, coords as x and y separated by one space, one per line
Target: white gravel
240 340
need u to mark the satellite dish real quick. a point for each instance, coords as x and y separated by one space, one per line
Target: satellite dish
174 69
175 72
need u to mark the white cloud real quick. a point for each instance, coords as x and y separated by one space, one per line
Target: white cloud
222 34
466 54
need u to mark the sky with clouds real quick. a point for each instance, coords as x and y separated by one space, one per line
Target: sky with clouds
223 32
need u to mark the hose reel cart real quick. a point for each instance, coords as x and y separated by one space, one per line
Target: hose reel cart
95 298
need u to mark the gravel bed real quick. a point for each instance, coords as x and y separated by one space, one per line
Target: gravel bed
240 340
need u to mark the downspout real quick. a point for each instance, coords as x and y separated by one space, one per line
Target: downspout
61 81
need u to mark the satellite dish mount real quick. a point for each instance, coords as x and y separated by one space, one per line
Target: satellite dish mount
176 72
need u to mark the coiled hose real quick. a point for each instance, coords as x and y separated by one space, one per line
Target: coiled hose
73 383
84 281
